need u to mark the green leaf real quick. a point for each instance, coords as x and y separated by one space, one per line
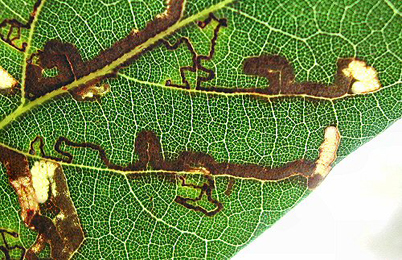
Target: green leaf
181 129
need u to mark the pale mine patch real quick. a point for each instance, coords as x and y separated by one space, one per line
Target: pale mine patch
26 194
42 176
92 91
202 170
365 76
60 216
165 13
6 80
38 246
134 32
328 151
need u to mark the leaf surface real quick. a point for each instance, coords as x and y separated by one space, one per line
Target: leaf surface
185 129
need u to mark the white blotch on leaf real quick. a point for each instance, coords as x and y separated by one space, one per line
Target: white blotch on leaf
365 76
6 80
328 151
165 13
92 91
42 176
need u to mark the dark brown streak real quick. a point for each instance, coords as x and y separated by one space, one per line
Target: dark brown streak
67 58
229 188
7 248
206 189
15 24
281 77
196 59
148 148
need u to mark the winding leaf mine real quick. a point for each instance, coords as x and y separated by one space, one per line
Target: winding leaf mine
46 184
148 149
13 34
67 59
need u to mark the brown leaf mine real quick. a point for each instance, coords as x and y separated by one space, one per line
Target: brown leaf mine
70 66
20 179
148 149
63 233
14 31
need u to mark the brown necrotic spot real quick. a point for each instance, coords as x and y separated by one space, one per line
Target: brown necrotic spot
70 65
13 34
63 56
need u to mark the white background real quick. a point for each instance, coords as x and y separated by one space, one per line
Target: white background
356 213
